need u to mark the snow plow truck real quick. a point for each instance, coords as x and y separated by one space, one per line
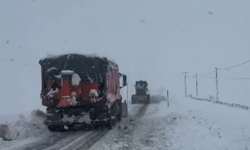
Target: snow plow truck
81 92
141 93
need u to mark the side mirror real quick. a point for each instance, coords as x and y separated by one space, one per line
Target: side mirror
124 82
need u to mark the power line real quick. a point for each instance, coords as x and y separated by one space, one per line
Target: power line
189 78
243 63
242 78
208 73
193 77
227 68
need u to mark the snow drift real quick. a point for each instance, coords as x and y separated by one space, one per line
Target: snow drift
24 127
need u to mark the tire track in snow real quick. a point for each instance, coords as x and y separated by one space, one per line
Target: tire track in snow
125 135
53 140
86 141
90 141
141 112
122 135
137 116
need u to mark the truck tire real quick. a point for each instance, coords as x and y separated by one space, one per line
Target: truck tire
148 99
113 116
119 117
133 99
53 128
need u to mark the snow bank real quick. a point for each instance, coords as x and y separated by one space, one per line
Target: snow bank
207 126
212 100
23 128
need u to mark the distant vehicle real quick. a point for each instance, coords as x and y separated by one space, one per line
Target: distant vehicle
141 93
81 91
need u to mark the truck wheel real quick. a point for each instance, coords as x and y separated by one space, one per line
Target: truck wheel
56 128
148 99
119 117
51 128
113 116
133 99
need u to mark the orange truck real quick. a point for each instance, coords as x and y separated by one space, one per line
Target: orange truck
81 91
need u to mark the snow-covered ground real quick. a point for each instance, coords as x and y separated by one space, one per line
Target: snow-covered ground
22 130
186 125
203 125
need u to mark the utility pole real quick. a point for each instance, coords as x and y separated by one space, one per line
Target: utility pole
185 83
217 84
127 91
196 85
168 97
167 94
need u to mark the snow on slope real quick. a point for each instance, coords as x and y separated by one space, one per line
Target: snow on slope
186 125
209 126
24 130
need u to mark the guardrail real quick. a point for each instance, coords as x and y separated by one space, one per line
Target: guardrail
235 105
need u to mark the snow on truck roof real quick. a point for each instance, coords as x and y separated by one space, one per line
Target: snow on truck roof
51 56
88 67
